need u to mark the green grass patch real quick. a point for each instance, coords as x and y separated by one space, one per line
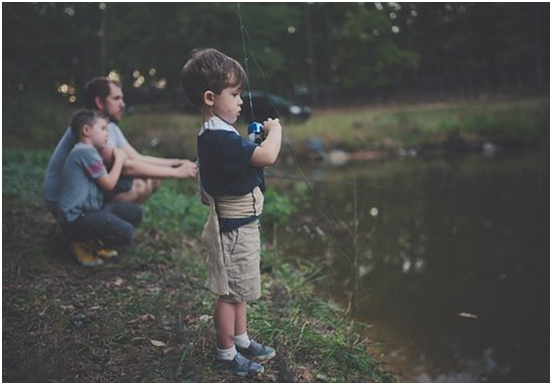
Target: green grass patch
429 124
23 174
148 317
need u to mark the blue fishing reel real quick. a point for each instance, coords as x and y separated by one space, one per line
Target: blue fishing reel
255 132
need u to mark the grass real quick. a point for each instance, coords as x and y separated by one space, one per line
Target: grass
373 128
353 129
148 317
427 125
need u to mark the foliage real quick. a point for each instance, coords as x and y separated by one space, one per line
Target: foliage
394 47
278 208
173 211
507 121
308 326
345 52
32 120
23 174
381 55
37 61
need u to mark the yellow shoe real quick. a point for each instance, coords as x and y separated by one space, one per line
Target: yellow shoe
84 251
105 253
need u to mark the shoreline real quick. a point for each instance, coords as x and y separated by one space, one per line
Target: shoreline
372 131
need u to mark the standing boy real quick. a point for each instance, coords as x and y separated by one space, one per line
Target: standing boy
81 212
229 168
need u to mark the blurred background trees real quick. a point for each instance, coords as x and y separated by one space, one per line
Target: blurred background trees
320 53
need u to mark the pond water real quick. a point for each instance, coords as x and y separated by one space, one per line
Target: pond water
448 259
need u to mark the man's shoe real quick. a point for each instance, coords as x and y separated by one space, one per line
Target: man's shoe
107 254
240 366
257 352
104 253
85 253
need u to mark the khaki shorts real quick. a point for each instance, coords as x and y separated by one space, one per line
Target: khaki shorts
242 259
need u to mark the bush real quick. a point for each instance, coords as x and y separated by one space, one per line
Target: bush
23 174
33 120
173 210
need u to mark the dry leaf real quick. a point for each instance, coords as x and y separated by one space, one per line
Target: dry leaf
154 289
158 344
147 317
303 375
168 350
143 318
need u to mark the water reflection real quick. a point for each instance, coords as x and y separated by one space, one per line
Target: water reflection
453 269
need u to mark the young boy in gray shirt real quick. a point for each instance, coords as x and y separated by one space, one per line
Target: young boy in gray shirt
91 226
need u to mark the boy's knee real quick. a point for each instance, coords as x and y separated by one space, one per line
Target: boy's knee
142 189
154 185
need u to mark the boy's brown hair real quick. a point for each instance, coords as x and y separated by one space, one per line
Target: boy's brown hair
82 118
210 70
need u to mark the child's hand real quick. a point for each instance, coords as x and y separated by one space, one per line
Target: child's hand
119 154
187 169
267 152
107 155
271 124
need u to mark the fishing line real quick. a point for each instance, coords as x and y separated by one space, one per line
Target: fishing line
246 62
245 33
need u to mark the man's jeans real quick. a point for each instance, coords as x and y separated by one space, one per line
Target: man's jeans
114 225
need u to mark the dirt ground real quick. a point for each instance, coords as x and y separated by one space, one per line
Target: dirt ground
129 322
148 317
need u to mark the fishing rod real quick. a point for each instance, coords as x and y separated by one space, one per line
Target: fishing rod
247 43
254 129
257 126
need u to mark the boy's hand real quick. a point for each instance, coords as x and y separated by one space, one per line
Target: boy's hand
187 169
107 155
267 152
119 154
270 124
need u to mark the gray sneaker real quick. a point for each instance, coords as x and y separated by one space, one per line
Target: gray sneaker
257 352
240 366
